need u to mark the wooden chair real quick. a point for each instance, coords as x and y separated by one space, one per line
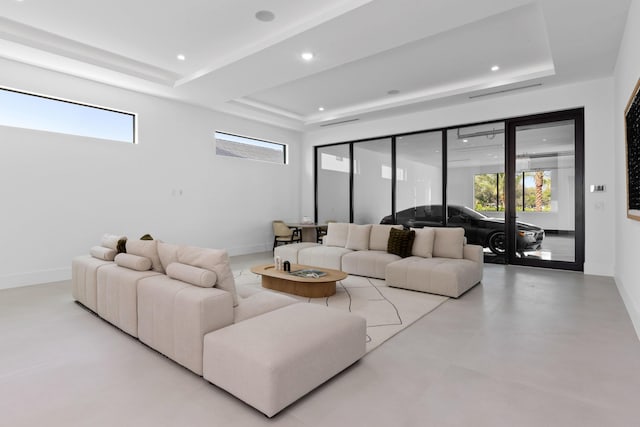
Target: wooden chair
283 234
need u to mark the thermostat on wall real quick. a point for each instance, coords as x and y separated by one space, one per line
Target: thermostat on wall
597 188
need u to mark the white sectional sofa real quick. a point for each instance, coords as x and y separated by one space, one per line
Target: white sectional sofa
172 297
439 261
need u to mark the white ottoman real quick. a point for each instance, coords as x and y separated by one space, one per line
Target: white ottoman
272 360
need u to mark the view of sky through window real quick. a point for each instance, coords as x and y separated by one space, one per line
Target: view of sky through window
27 111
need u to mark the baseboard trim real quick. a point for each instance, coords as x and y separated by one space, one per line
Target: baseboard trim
632 308
18 280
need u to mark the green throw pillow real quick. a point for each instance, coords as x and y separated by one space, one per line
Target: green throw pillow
401 242
146 237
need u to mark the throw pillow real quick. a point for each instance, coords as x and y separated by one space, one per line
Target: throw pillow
100 252
193 275
337 233
358 237
121 247
401 242
111 241
449 242
134 262
380 236
423 244
216 260
146 237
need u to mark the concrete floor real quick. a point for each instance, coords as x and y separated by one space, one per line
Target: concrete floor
528 347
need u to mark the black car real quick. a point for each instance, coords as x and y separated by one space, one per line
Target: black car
479 229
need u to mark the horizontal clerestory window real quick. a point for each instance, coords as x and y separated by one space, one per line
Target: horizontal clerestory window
243 147
43 113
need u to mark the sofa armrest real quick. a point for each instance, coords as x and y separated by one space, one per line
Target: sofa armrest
473 253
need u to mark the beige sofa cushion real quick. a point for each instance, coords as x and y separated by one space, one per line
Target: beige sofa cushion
449 242
260 303
443 276
173 317
216 260
290 252
423 243
134 262
193 275
368 263
147 249
379 236
117 296
358 237
100 252
337 234
84 277
168 253
323 256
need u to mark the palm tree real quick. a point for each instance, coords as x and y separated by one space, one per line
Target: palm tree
539 178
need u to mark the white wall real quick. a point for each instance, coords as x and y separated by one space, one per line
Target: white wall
627 231
595 96
60 193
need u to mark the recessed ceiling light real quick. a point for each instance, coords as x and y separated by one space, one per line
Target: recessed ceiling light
465 140
307 56
393 92
495 68
265 16
320 108
181 57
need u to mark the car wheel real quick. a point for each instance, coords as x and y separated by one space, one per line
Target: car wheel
497 243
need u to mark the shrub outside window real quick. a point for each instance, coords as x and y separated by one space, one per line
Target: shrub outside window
533 191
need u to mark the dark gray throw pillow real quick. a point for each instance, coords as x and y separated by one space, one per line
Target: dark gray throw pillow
401 242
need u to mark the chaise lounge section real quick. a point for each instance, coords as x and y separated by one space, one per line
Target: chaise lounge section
174 297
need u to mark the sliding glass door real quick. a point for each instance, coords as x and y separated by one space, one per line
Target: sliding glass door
515 185
419 179
476 193
333 170
372 175
546 220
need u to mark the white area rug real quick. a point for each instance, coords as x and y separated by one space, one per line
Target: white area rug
387 310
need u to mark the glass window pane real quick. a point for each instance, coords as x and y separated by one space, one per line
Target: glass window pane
333 167
249 148
372 181
419 179
545 167
23 110
476 192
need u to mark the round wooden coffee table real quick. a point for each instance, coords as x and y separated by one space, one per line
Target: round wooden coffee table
310 287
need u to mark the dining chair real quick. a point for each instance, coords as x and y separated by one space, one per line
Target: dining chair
283 234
